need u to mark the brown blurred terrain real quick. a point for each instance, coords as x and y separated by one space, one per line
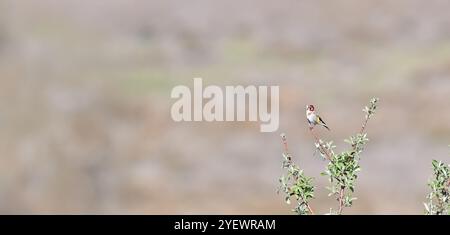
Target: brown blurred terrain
85 102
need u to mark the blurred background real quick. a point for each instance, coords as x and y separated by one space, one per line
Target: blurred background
85 86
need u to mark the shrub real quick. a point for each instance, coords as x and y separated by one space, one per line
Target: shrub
341 170
438 199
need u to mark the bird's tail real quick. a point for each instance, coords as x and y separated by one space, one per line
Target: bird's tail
326 127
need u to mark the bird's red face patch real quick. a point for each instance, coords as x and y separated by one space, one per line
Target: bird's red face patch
311 107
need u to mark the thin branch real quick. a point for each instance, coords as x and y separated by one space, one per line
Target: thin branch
369 112
286 151
310 209
342 191
341 200
322 149
285 146
343 188
364 125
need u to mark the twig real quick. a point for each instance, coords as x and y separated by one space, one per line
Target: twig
342 191
285 146
322 149
369 112
364 125
286 151
341 200
310 209
354 146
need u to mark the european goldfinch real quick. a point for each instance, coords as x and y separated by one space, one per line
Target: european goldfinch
313 118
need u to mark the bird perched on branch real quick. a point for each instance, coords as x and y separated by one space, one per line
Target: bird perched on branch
313 118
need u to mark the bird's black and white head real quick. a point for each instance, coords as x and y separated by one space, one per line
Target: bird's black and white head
310 108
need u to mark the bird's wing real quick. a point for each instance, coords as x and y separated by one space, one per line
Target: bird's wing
319 120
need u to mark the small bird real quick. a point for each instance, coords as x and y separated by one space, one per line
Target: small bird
313 118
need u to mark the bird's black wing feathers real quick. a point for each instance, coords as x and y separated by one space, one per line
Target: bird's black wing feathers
320 120
323 123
